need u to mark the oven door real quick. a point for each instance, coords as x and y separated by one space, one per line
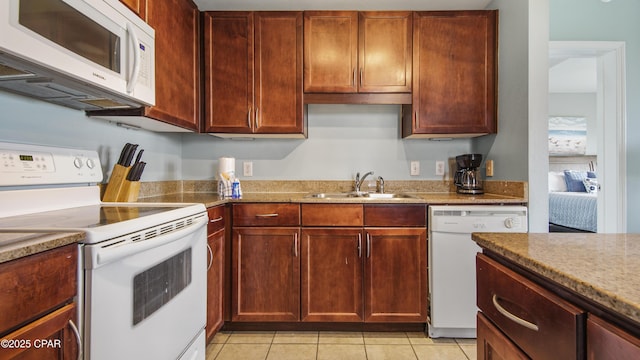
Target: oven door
146 299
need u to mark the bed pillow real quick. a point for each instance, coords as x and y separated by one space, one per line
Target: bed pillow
575 180
591 185
557 182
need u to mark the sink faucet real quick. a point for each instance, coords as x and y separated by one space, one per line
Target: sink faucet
360 180
380 185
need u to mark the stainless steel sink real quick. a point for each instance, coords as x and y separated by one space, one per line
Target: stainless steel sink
359 195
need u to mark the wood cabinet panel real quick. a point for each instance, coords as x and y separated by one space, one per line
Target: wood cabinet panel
332 215
215 270
454 74
505 297
266 214
332 274
50 337
228 54
385 51
330 51
395 264
36 284
493 345
606 341
137 6
253 73
177 26
394 215
266 274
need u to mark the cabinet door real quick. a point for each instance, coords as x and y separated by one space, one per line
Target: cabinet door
330 51
266 274
51 337
606 341
215 270
332 274
228 54
454 73
395 277
278 68
385 51
137 6
177 26
493 344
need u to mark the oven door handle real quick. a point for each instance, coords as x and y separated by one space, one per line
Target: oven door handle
105 255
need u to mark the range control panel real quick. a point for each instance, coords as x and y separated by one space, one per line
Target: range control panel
24 164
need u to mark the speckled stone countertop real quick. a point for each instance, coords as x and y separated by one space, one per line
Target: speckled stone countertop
14 245
601 267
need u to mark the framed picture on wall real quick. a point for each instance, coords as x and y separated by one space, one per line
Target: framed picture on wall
567 135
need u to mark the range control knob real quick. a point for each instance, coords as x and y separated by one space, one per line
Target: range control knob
508 223
77 162
91 164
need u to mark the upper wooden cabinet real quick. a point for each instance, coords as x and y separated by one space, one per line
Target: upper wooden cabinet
454 74
253 73
177 43
357 52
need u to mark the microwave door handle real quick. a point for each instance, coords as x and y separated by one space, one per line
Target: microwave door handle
131 83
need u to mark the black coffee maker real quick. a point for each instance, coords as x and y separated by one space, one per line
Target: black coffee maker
468 178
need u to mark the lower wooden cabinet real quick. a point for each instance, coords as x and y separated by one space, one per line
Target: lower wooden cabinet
215 270
606 341
266 274
494 345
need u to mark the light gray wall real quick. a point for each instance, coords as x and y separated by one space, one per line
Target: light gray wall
577 104
577 20
25 120
343 139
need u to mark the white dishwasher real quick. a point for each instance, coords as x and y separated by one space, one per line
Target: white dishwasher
452 264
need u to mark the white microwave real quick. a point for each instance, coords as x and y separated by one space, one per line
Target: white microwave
84 54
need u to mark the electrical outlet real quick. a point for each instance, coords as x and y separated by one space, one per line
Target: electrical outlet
415 168
439 168
247 168
489 167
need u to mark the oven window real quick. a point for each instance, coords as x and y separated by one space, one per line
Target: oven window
156 286
65 26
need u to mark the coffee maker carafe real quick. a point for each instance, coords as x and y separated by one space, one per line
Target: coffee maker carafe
468 179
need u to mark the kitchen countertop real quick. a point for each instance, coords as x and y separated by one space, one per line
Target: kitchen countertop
601 267
212 199
14 245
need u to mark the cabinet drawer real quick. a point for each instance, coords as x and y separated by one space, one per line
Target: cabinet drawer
36 284
395 215
529 314
216 219
267 214
332 215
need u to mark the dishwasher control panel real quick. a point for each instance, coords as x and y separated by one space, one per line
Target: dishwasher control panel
478 218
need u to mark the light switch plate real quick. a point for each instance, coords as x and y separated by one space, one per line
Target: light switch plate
415 168
247 168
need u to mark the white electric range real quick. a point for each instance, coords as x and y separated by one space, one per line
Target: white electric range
142 266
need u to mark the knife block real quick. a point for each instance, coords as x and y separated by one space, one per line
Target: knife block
129 191
116 183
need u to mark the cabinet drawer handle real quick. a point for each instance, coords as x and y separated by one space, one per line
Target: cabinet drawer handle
216 220
76 333
249 118
361 77
210 257
257 119
266 215
510 316
295 244
353 82
359 245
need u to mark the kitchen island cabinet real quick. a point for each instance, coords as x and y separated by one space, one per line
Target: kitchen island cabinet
570 296
177 69
37 312
253 74
215 270
454 75
350 52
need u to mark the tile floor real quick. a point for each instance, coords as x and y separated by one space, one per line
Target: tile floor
325 345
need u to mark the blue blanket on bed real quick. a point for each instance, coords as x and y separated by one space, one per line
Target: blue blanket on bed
576 210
